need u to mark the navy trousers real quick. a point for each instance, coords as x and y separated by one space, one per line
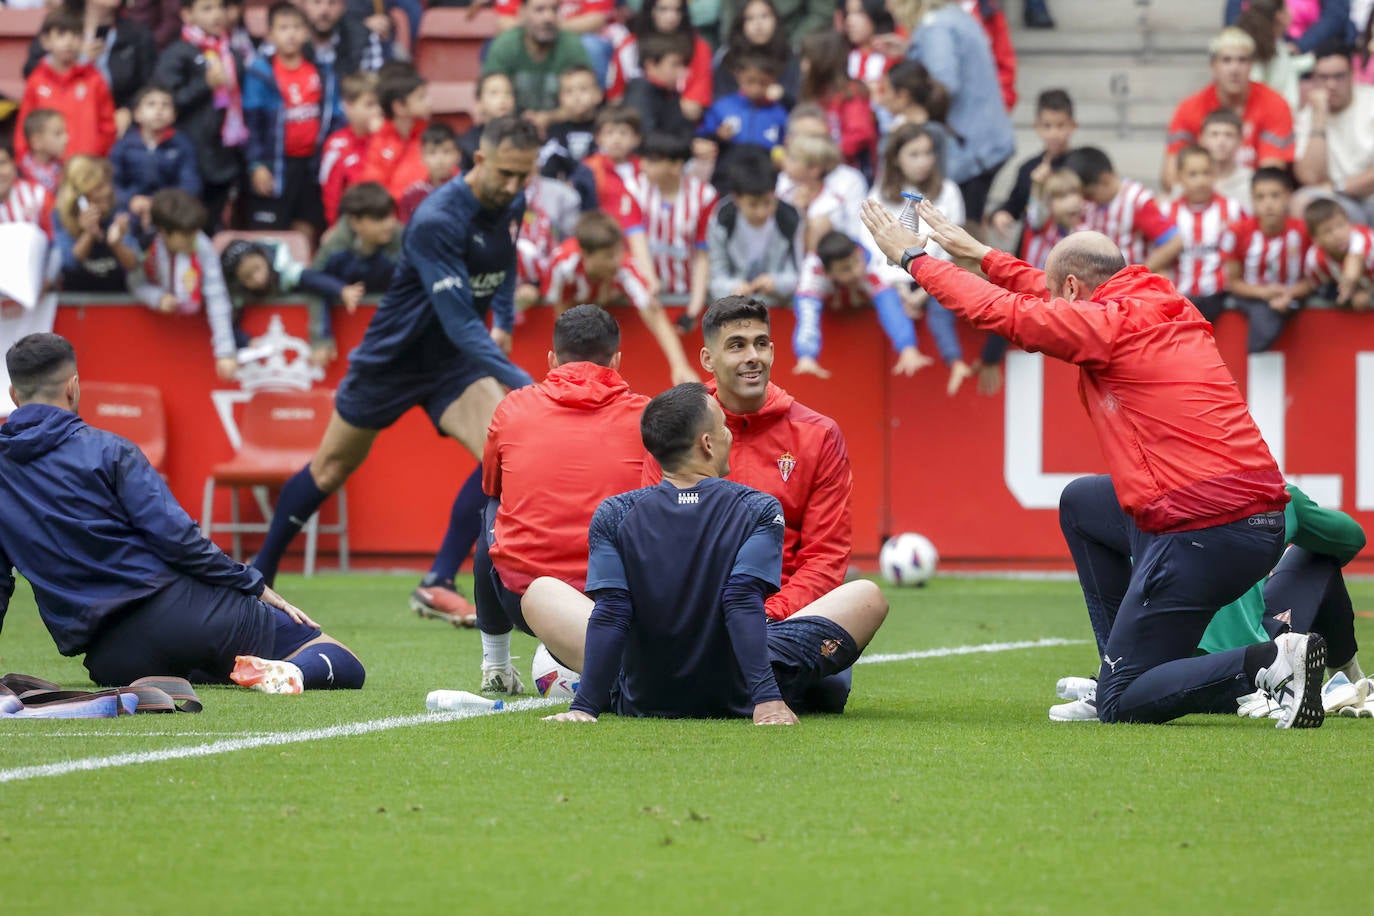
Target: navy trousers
1307 593
1149 616
498 608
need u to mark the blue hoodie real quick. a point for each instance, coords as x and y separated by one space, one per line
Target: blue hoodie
92 526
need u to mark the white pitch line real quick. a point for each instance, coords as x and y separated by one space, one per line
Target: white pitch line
352 729
348 730
968 650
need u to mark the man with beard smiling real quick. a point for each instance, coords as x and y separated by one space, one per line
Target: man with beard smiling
428 344
792 453
534 56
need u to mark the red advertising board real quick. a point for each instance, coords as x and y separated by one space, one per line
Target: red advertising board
978 475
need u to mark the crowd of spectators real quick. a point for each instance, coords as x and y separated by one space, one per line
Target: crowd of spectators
692 150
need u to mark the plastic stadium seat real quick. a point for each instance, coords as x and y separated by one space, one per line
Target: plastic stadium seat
132 411
450 45
17 28
296 242
454 103
280 431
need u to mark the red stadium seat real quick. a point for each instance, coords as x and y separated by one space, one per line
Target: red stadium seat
454 103
132 411
450 46
280 431
17 28
296 242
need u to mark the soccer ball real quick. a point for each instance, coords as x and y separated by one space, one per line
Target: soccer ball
551 679
908 559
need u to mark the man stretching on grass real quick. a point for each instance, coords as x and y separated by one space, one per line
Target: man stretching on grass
679 573
119 570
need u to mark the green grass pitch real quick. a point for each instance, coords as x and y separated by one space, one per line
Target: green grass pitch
944 789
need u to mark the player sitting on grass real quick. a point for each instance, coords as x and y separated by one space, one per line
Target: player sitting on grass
555 450
679 573
118 569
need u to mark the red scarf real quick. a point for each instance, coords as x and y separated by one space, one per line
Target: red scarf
178 274
228 96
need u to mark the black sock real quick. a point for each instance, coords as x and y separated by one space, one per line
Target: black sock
1260 655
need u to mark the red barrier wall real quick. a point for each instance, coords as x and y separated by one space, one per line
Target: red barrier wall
923 461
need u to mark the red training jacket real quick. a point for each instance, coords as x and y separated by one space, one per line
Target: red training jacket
1179 441
797 455
394 161
341 164
554 451
83 99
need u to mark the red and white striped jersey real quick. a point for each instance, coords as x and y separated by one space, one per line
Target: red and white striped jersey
567 283
867 66
1200 270
1131 219
1266 259
24 204
675 228
550 213
1036 243
1322 268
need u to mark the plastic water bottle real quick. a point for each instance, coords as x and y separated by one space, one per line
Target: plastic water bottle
460 701
909 217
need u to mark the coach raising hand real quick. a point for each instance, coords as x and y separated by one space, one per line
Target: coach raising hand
1202 497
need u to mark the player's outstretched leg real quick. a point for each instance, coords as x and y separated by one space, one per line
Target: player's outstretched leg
1307 592
301 657
558 615
342 450
437 596
859 608
498 612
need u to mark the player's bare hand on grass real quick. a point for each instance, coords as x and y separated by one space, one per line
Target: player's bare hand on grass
572 715
774 713
271 598
910 361
502 339
808 366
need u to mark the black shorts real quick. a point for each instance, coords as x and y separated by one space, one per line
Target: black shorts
498 608
191 630
375 398
806 650
300 200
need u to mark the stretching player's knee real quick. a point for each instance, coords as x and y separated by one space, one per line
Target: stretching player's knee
331 471
870 598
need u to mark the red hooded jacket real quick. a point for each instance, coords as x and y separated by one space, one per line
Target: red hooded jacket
554 451
799 456
1179 441
82 98
394 161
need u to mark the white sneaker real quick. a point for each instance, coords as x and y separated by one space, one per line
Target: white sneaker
503 679
1257 705
1339 693
1083 709
1365 708
1076 688
1294 680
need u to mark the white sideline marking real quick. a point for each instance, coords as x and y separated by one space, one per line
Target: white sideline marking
347 730
352 729
968 650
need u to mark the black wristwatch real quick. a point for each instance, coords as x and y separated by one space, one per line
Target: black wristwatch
911 254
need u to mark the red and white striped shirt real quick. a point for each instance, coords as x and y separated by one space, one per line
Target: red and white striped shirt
1266 259
675 228
24 204
1131 219
1200 270
1322 268
567 284
867 66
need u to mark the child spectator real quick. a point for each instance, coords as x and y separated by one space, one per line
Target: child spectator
677 212
592 267
826 82
45 132
21 200
282 99
911 166
615 169
661 17
1202 217
808 163
364 246
910 95
1055 210
258 270
94 248
864 20
533 55
203 73
551 212
152 157
1054 125
654 95
1341 254
393 156
754 240
754 31
746 118
572 137
1222 132
181 273
837 278
241 41
63 83
1264 255
341 160
439 154
807 120
495 99
1123 210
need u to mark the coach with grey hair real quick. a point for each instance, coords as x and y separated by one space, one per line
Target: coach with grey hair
1193 514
